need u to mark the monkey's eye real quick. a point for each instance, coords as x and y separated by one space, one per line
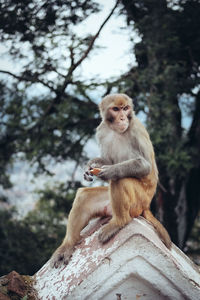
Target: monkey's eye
126 107
115 108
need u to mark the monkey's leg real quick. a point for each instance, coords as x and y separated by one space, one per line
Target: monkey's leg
124 206
89 202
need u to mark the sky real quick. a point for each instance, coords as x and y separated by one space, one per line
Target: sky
112 60
117 54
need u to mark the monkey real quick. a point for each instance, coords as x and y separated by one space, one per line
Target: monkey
128 163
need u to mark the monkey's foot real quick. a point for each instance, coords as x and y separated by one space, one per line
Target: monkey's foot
61 255
107 232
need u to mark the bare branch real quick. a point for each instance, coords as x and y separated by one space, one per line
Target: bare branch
85 54
71 56
33 80
68 78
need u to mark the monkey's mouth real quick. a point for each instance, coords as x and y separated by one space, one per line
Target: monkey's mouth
122 127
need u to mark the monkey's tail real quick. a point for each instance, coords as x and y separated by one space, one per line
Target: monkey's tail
162 232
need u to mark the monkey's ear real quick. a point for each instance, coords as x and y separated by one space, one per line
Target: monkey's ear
100 106
101 110
103 107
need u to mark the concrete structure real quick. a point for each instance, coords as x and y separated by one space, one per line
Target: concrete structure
135 264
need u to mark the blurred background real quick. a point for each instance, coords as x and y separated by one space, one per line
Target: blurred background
58 59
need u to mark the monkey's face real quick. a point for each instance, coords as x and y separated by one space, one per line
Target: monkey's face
117 111
118 117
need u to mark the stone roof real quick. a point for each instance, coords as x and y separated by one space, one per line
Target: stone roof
135 264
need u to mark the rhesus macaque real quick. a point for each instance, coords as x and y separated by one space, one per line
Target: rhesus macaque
127 162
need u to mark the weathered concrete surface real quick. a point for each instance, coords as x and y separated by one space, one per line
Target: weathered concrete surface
135 264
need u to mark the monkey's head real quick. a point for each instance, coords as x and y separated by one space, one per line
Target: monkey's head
117 111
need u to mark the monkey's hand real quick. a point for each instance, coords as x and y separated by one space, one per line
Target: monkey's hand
107 172
92 164
88 175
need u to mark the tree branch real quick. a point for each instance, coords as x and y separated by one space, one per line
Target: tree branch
22 78
74 66
68 79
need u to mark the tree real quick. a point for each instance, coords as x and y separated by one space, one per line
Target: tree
46 115
27 244
44 100
165 85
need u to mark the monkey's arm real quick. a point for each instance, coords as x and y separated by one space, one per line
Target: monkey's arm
137 167
97 162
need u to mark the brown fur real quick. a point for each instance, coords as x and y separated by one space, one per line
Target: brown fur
131 198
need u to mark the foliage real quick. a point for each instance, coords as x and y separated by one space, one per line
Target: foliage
166 78
46 116
24 19
27 244
45 99
193 243
20 249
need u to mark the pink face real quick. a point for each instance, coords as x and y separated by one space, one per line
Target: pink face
119 117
